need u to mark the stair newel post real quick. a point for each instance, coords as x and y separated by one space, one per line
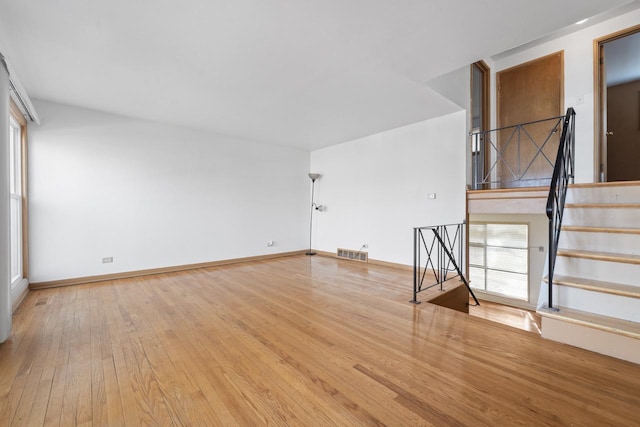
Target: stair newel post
552 258
436 230
416 264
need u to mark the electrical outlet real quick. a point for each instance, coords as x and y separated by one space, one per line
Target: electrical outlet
107 260
431 195
270 243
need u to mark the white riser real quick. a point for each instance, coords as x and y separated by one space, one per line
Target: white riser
592 339
597 217
614 272
601 242
604 194
620 307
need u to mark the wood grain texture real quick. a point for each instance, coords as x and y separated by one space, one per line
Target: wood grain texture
520 318
608 230
602 206
605 184
623 121
148 272
596 321
596 286
307 341
600 256
525 93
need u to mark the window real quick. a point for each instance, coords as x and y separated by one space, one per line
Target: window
499 259
17 196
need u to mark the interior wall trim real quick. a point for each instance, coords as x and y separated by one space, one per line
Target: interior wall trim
371 261
152 271
23 294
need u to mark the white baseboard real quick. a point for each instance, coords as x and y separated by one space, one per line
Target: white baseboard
18 293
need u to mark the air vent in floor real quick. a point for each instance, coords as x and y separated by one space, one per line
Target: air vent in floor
353 255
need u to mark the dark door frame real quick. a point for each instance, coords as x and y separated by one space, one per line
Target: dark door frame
600 102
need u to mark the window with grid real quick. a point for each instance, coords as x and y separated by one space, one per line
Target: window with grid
15 195
499 258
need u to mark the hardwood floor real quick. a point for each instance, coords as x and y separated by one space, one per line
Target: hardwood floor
515 317
308 341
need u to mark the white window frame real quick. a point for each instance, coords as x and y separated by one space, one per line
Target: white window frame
18 200
15 194
525 249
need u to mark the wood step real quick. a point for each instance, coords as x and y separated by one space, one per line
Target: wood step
606 184
600 256
596 286
596 321
602 205
611 230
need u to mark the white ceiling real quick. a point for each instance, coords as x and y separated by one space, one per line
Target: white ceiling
305 73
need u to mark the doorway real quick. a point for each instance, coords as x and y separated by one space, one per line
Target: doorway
618 122
480 119
529 92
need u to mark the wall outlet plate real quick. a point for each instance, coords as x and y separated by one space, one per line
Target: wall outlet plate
107 260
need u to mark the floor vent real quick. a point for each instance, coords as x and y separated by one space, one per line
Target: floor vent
353 255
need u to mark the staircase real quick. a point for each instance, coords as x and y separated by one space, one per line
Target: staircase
596 286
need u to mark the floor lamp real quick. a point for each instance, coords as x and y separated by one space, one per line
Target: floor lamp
313 177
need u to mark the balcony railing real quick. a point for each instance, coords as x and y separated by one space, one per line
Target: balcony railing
521 155
438 257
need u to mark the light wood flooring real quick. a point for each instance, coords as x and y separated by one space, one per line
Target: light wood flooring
515 317
307 341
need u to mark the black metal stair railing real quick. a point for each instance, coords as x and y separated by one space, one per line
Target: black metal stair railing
563 172
521 155
443 247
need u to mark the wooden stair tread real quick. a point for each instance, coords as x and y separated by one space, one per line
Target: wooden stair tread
597 321
602 205
509 190
596 285
611 230
605 184
600 256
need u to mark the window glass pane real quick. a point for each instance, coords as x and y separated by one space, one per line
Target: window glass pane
476 277
15 190
12 162
477 233
511 284
476 255
14 157
16 240
499 258
507 259
507 235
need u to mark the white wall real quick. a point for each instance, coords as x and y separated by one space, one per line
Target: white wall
375 188
5 215
578 81
456 86
152 195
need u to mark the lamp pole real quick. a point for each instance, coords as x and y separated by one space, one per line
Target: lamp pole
313 177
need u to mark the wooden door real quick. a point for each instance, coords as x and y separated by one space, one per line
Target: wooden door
618 77
526 93
623 132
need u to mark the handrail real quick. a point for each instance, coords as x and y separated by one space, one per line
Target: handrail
446 242
563 171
